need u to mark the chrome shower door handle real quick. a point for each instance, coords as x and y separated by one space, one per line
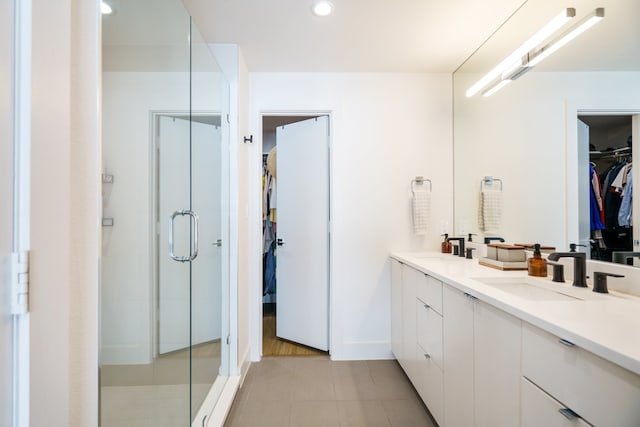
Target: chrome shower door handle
194 236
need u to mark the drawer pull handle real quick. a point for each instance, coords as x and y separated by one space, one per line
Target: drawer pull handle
427 306
427 356
565 342
568 413
469 296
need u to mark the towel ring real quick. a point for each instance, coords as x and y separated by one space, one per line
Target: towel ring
488 181
419 181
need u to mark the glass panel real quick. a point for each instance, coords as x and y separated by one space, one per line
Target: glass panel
164 323
145 296
6 207
209 199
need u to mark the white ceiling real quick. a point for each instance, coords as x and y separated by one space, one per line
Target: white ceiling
361 35
380 35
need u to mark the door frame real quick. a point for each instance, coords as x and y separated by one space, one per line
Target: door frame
255 299
573 159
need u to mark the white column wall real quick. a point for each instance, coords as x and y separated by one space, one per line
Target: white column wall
64 200
234 68
386 130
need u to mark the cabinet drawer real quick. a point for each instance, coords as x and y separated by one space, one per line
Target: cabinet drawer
430 332
600 391
429 382
540 409
429 290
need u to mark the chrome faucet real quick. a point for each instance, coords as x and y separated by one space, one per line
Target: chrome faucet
579 266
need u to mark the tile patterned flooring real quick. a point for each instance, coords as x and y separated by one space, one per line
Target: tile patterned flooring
157 394
315 391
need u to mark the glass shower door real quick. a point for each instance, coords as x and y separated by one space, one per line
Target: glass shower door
209 199
144 376
165 255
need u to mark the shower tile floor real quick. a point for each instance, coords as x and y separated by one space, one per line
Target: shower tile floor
156 394
315 391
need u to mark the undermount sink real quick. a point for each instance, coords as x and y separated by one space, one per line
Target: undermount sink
527 288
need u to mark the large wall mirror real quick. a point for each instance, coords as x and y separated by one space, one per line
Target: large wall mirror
539 134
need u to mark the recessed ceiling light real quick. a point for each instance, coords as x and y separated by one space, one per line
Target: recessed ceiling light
105 9
322 8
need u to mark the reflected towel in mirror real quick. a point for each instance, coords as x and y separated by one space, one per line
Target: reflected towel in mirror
490 210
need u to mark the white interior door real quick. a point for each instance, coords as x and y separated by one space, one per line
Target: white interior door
635 152
302 272
206 273
189 293
584 189
173 195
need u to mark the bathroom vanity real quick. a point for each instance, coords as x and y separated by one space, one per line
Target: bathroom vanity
499 348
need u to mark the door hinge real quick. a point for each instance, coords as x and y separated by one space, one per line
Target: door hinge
228 339
20 282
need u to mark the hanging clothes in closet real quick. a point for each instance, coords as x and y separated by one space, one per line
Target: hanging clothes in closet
269 217
597 202
617 201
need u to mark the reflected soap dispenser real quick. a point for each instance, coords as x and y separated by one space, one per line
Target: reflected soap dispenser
445 246
536 265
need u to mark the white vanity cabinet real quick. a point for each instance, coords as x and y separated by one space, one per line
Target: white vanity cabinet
540 409
481 363
491 360
597 391
458 357
416 332
496 363
429 376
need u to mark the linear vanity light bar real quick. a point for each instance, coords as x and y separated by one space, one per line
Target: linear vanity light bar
507 77
514 72
589 21
496 87
541 35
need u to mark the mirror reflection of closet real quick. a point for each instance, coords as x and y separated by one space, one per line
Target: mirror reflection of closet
610 168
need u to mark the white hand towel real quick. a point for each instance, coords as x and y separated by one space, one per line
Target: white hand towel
421 211
490 210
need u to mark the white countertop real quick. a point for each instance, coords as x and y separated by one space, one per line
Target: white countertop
607 325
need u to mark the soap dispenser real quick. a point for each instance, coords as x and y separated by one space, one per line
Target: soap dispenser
537 265
445 246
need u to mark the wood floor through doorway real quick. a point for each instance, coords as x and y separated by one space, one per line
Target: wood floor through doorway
274 346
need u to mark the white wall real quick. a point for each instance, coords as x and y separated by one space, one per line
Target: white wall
234 68
128 99
386 129
526 134
64 211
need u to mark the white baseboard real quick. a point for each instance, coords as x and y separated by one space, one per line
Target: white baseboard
220 411
222 406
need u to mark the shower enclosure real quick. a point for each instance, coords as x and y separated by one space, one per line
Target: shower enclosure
165 235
